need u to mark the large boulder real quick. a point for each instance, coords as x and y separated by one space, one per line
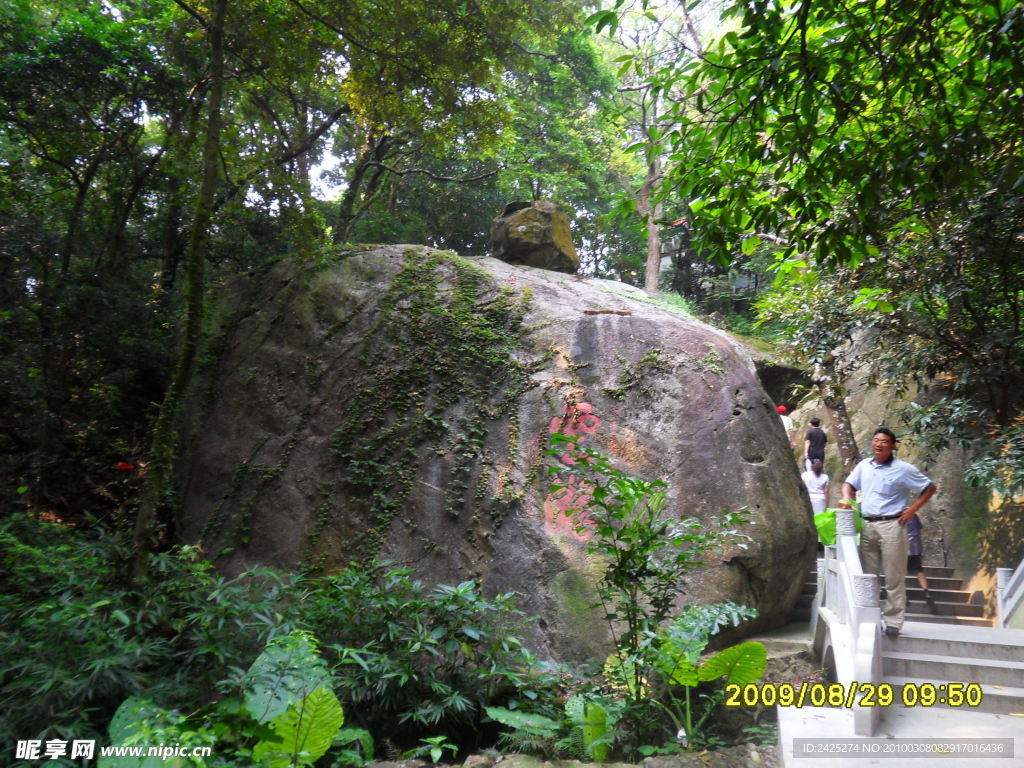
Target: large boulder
535 234
397 403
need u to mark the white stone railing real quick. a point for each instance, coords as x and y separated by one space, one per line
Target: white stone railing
847 618
1010 596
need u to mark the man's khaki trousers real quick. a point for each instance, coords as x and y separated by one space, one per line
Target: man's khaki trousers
883 550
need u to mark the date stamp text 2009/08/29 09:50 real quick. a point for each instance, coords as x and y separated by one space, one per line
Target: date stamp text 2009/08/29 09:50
853 694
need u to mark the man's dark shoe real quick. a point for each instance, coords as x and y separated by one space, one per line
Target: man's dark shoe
892 631
930 600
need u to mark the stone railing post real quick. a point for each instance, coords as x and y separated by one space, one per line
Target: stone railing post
819 595
865 590
1002 582
846 522
867 658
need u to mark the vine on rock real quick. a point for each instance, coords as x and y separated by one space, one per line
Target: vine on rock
439 368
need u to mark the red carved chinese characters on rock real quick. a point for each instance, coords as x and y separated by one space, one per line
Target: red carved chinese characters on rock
566 510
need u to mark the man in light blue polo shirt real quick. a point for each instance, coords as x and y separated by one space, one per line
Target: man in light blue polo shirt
885 483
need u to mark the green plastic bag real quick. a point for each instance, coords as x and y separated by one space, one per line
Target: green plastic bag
825 522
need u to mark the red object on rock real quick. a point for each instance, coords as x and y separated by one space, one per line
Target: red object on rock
124 466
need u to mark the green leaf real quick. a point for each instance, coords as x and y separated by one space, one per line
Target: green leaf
603 19
623 671
128 716
124 726
683 642
595 730
750 245
287 671
356 735
304 733
535 725
740 664
680 670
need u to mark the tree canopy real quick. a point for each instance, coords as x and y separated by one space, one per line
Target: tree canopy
842 129
876 149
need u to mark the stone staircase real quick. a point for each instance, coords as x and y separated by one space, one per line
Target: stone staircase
939 654
954 645
932 650
952 603
802 610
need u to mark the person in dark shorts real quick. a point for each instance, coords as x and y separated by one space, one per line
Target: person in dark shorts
914 559
814 443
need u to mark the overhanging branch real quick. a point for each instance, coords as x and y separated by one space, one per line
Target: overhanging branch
432 175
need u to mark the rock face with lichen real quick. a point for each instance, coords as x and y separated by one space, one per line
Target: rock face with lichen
397 403
534 233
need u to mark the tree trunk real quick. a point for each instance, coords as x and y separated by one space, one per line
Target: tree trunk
171 247
374 150
842 431
652 209
153 522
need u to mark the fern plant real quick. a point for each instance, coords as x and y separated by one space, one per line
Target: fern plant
587 730
530 733
593 720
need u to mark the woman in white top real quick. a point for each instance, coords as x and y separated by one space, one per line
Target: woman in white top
817 486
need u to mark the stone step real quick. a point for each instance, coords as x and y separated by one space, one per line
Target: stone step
787 640
944 589
963 610
952 604
995 699
948 619
957 669
970 643
938 571
955 596
939 595
936 584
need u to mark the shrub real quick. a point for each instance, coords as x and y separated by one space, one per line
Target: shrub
77 639
409 660
286 716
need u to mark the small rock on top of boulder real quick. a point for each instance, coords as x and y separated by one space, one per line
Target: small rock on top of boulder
535 234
